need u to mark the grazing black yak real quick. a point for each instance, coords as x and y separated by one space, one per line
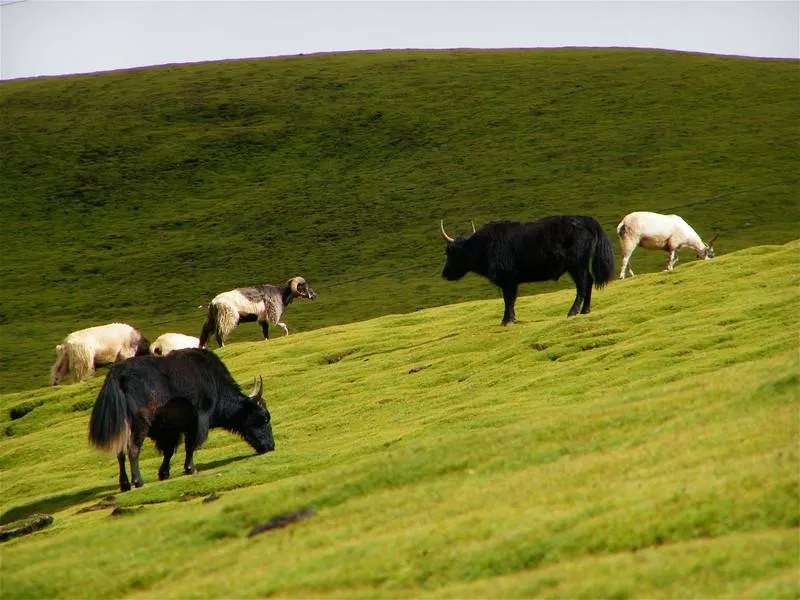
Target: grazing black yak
509 253
184 393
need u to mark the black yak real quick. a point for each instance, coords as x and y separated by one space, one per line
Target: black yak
263 303
509 253
184 393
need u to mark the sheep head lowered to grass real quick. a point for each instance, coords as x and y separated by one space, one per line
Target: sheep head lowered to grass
659 232
84 350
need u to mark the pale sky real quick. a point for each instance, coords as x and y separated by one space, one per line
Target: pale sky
51 37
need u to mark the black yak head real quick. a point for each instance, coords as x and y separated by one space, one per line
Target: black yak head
459 256
300 289
252 421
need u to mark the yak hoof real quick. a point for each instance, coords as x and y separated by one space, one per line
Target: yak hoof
162 475
190 470
125 486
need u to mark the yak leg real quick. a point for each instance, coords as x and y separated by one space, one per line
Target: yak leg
167 443
134 447
509 299
124 483
284 327
264 328
587 300
582 296
190 444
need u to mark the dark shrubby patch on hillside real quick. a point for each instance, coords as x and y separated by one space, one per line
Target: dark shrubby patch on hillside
82 405
330 359
20 410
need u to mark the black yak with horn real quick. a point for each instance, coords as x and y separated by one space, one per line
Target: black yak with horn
509 253
185 393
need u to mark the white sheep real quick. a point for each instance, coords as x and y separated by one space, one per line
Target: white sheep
659 232
84 350
167 342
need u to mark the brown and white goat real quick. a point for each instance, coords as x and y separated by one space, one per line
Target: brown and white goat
84 350
263 303
167 342
659 232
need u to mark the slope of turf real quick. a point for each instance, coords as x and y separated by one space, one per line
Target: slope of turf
648 449
138 195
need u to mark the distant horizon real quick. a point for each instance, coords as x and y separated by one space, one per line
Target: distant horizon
61 37
378 50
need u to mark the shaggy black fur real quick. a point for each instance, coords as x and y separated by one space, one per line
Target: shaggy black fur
185 393
509 253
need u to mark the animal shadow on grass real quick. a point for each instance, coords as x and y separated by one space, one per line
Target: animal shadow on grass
221 462
53 504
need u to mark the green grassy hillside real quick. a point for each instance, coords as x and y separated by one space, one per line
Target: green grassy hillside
648 449
138 195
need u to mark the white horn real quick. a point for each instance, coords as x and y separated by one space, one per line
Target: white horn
258 385
446 237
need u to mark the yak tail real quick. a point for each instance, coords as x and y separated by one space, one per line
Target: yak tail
109 425
603 259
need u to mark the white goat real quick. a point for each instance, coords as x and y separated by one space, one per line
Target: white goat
659 232
167 342
84 350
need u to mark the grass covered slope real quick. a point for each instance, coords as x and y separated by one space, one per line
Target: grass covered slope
138 195
648 449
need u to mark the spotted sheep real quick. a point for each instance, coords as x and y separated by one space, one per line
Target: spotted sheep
654 231
265 304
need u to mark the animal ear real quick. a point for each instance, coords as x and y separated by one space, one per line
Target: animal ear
712 240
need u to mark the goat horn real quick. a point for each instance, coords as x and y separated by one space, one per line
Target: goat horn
712 240
473 226
446 237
